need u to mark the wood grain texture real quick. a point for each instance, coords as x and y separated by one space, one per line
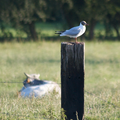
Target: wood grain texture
72 79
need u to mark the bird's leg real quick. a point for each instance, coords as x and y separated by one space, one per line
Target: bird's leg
76 40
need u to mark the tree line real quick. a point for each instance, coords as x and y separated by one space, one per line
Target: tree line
24 13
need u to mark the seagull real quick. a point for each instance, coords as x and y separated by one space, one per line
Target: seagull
74 32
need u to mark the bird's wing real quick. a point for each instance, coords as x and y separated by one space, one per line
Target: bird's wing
73 31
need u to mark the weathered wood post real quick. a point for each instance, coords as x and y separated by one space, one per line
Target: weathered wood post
72 80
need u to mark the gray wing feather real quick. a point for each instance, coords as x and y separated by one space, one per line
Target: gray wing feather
72 31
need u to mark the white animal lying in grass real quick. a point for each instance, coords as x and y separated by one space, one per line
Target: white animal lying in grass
33 86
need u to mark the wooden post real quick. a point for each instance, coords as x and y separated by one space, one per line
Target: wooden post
72 80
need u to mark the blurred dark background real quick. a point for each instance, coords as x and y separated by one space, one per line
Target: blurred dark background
26 19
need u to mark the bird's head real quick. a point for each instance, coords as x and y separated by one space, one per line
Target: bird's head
83 23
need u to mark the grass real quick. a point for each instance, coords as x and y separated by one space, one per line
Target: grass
102 79
17 58
102 65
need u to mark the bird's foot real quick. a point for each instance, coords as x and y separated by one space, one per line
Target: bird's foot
77 42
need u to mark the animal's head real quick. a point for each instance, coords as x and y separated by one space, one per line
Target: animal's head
83 23
34 76
32 80
29 81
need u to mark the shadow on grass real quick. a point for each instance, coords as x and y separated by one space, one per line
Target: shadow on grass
55 38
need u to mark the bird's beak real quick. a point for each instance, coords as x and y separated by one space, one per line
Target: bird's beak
87 24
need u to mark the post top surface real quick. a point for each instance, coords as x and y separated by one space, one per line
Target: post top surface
72 43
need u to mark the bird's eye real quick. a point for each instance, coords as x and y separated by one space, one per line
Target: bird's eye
83 23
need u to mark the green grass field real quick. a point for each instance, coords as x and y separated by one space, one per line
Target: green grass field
102 79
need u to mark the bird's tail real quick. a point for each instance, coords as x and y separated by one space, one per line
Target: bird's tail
59 32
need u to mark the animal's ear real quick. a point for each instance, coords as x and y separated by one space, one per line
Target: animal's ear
28 80
37 76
